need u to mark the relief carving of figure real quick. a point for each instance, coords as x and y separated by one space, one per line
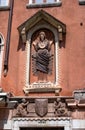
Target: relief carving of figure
60 108
43 57
22 108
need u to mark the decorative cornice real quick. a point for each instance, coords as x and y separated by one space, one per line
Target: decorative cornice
82 2
57 4
71 101
4 8
79 94
41 14
41 122
43 119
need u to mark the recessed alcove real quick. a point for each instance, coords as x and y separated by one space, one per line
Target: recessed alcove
54 31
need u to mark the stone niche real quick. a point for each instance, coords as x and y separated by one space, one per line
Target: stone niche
42 70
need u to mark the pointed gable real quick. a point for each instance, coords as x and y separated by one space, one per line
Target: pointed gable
41 16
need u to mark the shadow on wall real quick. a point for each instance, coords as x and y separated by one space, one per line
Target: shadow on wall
63 42
4 115
21 45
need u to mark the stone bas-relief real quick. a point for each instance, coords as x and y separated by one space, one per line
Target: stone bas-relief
42 58
60 108
43 76
22 108
42 107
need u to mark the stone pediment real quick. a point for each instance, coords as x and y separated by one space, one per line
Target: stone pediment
37 18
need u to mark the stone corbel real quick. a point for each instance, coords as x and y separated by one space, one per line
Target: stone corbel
72 103
23 35
60 31
4 100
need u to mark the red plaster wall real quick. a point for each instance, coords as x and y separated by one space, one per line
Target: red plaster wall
71 57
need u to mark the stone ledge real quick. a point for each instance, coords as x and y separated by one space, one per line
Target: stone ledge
82 2
4 8
57 4
79 94
71 103
3 99
42 88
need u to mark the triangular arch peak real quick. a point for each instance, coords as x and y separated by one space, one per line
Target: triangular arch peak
38 18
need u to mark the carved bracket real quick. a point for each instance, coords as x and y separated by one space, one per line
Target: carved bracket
23 35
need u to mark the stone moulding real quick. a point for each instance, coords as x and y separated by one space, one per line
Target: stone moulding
57 4
82 2
75 101
79 94
43 87
43 119
4 8
38 122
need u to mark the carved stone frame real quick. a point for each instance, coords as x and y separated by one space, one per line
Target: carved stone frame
39 21
28 87
51 122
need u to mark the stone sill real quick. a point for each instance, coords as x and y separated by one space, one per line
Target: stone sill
82 2
44 5
4 8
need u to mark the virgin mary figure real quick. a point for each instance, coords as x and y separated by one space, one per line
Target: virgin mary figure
42 57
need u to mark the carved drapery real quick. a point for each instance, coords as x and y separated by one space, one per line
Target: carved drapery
44 85
42 58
